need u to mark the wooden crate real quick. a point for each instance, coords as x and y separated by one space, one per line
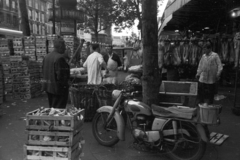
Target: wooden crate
46 138
179 88
55 123
53 153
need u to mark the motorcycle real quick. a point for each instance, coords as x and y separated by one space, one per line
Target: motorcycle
180 138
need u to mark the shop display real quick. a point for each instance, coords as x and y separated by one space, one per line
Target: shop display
41 49
54 133
30 47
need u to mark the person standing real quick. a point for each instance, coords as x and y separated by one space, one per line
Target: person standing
56 75
94 64
208 73
113 63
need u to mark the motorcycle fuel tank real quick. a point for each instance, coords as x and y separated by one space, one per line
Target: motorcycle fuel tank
138 107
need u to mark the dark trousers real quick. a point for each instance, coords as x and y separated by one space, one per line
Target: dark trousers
206 92
57 101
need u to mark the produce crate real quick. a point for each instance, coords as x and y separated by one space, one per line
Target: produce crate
48 138
56 153
54 123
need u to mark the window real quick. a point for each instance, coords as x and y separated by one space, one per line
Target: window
13 5
42 7
30 3
8 19
43 30
40 29
39 17
36 16
7 3
36 4
29 13
35 28
1 16
15 21
43 18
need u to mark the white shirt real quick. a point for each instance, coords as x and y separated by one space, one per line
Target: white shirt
94 64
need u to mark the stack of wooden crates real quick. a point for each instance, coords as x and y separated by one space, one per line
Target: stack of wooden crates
54 137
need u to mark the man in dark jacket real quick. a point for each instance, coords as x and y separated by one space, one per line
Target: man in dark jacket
113 63
56 74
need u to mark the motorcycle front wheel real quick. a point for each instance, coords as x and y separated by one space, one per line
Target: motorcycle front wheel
187 144
105 135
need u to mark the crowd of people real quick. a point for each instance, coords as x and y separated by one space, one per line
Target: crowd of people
104 69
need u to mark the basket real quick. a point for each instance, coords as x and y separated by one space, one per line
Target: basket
104 94
83 96
210 114
91 97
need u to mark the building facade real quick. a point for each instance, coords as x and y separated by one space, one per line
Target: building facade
9 15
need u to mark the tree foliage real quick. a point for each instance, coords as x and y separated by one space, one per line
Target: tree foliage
99 13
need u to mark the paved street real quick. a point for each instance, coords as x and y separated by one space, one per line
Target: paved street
13 137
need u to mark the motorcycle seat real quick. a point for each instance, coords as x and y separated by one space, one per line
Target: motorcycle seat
174 111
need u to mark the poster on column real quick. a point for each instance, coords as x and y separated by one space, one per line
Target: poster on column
67 28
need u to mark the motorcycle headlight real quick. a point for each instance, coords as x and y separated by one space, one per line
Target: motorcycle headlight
115 94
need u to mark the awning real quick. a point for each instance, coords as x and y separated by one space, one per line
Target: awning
10 32
177 4
196 15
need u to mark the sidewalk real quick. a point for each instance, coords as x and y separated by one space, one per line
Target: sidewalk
13 137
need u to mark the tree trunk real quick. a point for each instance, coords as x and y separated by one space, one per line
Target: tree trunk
24 17
96 21
151 77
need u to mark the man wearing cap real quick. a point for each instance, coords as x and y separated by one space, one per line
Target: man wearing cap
208 73
94 64
113 63
56 74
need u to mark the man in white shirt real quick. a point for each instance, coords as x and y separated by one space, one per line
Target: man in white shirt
208 73
94 64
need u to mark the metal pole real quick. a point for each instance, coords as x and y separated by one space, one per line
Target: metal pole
53 21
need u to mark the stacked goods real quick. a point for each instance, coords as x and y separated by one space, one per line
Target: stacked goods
72 43
26 79
35 77
30 48
1 84
18 46
54 134
50 40
5 60
41 49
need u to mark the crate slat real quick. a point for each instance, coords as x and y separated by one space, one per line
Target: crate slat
74 152
35 122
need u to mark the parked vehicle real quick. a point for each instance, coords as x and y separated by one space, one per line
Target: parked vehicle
181 139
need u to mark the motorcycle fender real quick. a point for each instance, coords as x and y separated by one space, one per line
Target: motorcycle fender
202 132
119 121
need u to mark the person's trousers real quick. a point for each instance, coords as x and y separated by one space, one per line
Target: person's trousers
206 92
57 101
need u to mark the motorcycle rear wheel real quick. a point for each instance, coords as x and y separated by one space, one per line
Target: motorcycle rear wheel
106 136
186 147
